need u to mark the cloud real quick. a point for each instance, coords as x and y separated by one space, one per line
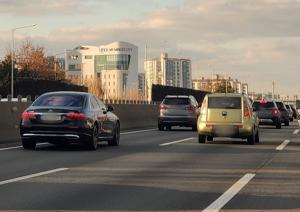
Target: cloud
257 39
46 7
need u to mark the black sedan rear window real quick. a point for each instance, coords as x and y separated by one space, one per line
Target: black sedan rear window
176 101
60 100
224 102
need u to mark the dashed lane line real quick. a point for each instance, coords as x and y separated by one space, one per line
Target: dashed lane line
283 145
219 203
178 141
32 176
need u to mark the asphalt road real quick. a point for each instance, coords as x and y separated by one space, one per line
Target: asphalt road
156 171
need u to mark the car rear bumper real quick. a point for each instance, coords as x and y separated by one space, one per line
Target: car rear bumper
237 130
269 121
178 121
55 136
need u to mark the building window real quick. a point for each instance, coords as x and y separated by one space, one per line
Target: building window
88 57
72 67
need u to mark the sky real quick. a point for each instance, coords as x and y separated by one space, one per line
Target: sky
256 41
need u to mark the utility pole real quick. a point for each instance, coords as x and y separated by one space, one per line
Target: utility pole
273 90
13 54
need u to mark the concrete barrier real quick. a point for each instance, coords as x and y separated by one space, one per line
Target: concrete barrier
132 116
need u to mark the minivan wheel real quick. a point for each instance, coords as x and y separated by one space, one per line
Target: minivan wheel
201 139
28 144
116 139
210 138
251 139
257 137
92 143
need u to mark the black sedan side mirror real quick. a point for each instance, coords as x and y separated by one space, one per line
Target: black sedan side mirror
110 108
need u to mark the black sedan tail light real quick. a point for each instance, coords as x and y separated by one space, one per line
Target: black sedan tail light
75 116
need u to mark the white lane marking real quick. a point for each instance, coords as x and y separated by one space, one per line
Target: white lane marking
175 142
219 203
32 175
8 148
283 145
138 131
18 147
122 133
296 132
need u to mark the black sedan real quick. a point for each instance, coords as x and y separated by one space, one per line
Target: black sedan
69 117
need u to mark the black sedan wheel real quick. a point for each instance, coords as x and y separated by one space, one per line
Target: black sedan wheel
28 144
93 140
116 139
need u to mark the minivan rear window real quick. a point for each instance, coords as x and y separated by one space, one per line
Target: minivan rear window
176 101
60 100
224 102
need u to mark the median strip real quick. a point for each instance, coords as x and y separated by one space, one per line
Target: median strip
32 176
296 132
219 203
175 142
283 145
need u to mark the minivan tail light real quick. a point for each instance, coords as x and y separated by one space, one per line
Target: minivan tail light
276 112
163 107
28 115
246 112
75 116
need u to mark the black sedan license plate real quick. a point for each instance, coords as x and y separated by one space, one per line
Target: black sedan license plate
51 117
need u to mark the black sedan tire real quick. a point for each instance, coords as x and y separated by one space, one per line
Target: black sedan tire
92 143
278 125
116 139
28 144
160 127
287 122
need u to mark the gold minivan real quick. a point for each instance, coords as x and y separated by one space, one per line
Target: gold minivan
227 115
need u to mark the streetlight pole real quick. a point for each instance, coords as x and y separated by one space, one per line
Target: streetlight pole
13 54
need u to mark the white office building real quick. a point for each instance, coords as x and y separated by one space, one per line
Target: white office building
167 71
114 65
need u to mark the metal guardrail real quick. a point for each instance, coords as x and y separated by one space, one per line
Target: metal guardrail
106 101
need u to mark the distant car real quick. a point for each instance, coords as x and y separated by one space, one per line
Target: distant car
295 113
69 117
267 112
284 113
178 111
227 115
291 117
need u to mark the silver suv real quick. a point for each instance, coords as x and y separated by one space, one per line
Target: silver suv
178 111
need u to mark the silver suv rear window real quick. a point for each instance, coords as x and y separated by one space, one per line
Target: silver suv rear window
224 102
263 105
176 101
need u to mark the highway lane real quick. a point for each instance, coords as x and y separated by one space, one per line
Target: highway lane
142 174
